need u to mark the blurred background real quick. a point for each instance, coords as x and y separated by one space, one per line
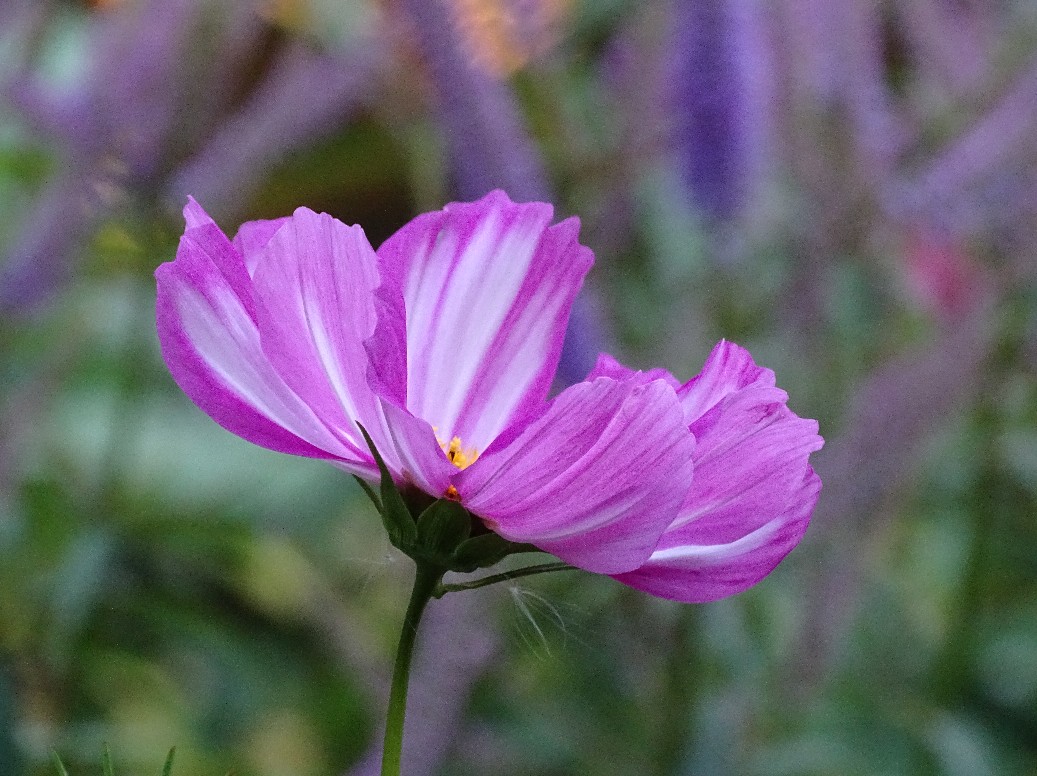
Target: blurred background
846 187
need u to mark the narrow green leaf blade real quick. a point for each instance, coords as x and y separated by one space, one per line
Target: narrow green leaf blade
483 551
167 769
106 761
370 493
59 765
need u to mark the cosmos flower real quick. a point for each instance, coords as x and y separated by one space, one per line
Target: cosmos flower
443 344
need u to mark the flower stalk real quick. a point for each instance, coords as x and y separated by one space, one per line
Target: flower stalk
505 576
426 580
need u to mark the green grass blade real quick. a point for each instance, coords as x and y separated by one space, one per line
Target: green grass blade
59 765
167 769
106 761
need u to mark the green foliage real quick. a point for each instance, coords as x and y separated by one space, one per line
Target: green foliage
108 769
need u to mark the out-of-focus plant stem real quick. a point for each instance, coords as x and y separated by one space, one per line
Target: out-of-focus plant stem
679 698
991 503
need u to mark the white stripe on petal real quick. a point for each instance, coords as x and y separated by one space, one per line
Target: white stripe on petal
698 555
227 341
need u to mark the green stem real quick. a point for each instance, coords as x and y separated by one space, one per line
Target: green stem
542 568
426 580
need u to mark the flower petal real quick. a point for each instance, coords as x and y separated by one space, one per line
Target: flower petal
206 325
687 569
608 366
728 368
752 451
754 489
488 289
252 238
421 459
594 479
317 280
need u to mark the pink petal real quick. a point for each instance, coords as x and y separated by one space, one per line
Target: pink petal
752 451
206 325
608 366
414 444
685 569
318 280
754 489
728 369
252 238
387 347
488 289
594 479
195 215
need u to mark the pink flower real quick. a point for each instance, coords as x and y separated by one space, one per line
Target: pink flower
444 344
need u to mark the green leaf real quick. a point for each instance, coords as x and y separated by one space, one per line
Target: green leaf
167 769
442 527
482 551
59 765
106 761
399 523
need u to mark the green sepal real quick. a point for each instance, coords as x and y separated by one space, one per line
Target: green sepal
441 528
483 551
397 518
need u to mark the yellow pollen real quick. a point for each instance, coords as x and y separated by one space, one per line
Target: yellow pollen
457 455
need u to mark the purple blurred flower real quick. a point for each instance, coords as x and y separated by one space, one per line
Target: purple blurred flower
708 95
152 91
489 146
444 344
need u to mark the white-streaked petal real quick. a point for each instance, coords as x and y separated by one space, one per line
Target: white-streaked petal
488 287
318 281
728 368
685 569
594 479
210 341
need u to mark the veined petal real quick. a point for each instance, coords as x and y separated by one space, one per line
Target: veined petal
595 479
252 238
195 215
414 445
608 366
206 325
317 280
488 287
690 568
752 451
729 368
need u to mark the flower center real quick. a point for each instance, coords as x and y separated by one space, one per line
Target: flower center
458 455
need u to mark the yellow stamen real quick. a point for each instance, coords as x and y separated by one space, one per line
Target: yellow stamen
457 455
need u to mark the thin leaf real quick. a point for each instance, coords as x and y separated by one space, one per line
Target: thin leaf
167 769
485 550
442 527
106 761
59 765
